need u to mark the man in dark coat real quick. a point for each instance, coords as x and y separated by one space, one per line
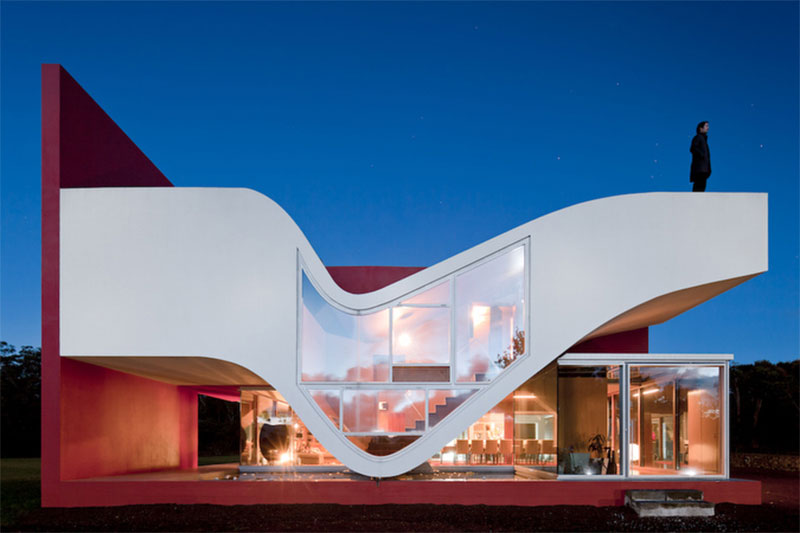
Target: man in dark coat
701 158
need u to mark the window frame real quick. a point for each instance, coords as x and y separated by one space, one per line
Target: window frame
625 361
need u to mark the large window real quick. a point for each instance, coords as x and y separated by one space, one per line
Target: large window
589 426
669 419
273 435
386 377
338 346
676 416
490 317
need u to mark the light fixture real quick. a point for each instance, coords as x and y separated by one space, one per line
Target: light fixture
649 391
383 406
525 397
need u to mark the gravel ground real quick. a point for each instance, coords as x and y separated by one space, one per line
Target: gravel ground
396 518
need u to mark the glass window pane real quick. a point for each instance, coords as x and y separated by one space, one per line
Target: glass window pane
489 441
385 411
382 445
588 420
338 346
676 420
420 335
443 402
438 295
328 401
535 422
490 318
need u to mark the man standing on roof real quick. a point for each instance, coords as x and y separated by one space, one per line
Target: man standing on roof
701 158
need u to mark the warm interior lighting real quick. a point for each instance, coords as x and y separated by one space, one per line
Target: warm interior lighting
649 391
479 314
634 451
285 458
404 340
525 397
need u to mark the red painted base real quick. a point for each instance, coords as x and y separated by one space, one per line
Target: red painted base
522 493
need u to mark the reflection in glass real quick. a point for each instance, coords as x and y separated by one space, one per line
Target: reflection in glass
382 444
338 346
588 420
272 435
420 335
490 440
443 402
438 295
386 411
676 420
328 401
535 421
490 331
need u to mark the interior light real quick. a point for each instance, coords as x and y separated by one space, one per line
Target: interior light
404 339
479 314
285 458
525 397
649 391
690 471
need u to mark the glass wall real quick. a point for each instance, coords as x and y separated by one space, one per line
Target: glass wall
676 416
338 346
272 435
489 441
384 411
589 422
490 317
536 421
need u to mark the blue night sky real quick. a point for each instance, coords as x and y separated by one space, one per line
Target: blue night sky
403 133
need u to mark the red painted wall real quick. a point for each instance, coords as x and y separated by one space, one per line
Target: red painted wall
362 279
114 423
636 341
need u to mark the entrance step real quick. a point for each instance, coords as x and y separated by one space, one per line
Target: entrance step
669 502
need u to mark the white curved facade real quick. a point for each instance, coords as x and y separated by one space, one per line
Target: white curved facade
218 273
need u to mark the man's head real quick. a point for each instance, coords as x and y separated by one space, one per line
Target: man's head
702 127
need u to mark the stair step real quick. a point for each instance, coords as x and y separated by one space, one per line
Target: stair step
669 502
665 494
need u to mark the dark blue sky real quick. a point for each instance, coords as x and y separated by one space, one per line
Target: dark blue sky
403 133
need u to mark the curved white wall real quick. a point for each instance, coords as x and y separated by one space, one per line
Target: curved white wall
213 272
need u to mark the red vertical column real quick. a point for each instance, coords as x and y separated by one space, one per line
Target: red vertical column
51 360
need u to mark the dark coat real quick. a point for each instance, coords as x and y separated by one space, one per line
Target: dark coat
701 157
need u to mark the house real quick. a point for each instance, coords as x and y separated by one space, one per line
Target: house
520 365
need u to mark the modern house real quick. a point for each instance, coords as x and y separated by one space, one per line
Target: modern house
520 366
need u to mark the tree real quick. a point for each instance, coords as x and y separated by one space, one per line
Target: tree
21 400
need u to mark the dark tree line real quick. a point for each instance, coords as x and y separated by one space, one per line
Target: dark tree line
20 400
765 407
764 403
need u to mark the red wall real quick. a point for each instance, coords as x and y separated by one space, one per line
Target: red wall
114 423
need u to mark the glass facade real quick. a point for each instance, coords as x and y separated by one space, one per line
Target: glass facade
567 420
385 378
589 426
490 317
408 348
676 416
272 435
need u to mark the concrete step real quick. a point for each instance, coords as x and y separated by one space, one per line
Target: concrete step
668 502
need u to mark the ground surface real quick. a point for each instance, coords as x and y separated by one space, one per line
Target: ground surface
20 511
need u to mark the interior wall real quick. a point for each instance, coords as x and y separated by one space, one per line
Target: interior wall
115 423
